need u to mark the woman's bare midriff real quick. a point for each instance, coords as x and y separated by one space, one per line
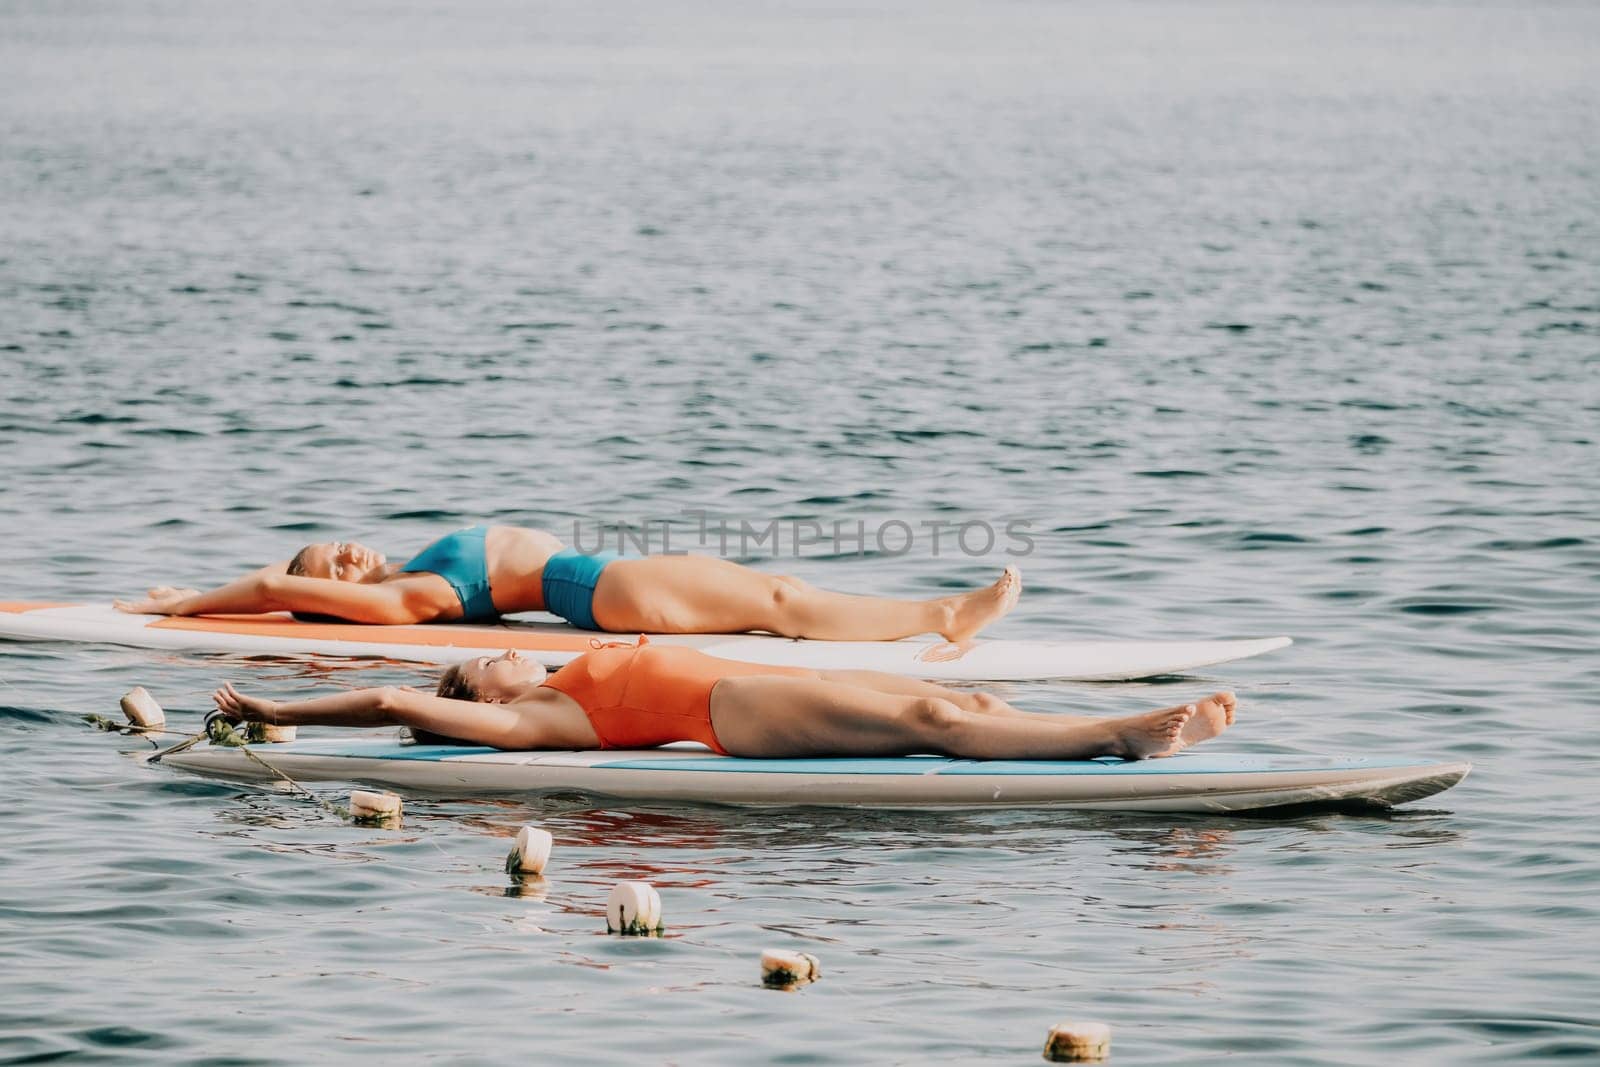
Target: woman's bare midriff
516 558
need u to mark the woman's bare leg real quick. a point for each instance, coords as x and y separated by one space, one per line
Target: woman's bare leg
702 594
978 703
773 716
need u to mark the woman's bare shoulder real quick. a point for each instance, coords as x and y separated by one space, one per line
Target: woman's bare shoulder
540 694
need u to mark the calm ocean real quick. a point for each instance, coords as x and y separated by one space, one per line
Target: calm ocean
1267 318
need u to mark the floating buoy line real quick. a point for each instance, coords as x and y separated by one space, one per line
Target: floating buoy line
633 908
147 719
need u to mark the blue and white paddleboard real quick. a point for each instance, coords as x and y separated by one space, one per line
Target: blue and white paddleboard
554 644
1189 782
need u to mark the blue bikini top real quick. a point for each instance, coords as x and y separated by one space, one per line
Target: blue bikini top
460 559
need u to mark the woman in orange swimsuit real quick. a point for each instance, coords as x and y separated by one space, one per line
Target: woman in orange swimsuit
645 695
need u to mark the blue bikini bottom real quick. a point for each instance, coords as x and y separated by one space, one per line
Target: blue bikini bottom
569 581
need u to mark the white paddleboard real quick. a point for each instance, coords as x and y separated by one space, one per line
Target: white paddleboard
1188 782
554 643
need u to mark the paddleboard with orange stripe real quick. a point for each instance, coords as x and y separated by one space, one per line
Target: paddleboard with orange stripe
554 643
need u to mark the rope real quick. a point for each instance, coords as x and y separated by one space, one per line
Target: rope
222 732
149 733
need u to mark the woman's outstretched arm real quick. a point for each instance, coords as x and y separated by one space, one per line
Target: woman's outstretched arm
357 707
499 725
271 589
242 596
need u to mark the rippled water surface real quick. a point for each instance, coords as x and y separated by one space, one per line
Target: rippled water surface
1269 318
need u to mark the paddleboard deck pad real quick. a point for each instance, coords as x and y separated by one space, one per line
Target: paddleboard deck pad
1188 782
554 644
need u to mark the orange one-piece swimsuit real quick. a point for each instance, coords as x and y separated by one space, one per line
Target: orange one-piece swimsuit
644 695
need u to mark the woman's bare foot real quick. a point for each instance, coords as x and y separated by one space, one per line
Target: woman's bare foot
971 612
1152 734
1169 731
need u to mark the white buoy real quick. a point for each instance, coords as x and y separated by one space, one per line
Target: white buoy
142 710
634 908
787 970
365 805
531 852
1077 1042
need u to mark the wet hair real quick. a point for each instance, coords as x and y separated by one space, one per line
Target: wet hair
453 684
297 566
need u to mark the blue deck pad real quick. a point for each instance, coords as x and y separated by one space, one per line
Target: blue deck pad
1181 764
423 753
1220 764
1187 763
733 764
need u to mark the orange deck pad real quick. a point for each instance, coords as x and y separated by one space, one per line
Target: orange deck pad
17 607
432 636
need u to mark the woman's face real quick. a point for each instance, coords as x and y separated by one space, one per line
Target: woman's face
343 561
497 679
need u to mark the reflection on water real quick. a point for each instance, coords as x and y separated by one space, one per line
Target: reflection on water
1182 849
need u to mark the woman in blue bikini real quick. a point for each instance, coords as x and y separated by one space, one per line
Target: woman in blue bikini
485 571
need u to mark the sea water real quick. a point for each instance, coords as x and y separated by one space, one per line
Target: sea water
1258 318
